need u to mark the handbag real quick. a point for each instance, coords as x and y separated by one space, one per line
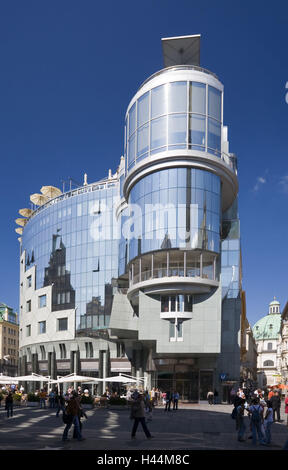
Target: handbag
67 419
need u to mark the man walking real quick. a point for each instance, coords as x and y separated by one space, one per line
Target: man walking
138 414
9 404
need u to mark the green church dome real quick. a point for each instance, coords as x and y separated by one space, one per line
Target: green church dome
269 326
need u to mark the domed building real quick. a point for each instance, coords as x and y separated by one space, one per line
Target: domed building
266 333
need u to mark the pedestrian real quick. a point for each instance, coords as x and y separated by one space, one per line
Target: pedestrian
9 404
148 405
60 402
43 396
268 421
138 414
72 411
81 415
168 400
240 425
216 394
51 399
210 397
276 404
256 420
286 409
175 400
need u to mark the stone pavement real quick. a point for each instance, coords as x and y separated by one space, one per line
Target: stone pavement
192 427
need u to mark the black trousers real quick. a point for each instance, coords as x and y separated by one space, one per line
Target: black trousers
276 411
144 426
168 405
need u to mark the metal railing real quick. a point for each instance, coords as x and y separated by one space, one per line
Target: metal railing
175 68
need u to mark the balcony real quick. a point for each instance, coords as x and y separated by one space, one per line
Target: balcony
191 271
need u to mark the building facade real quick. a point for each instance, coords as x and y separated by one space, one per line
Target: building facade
282 349
248 358
141 272
9 340
267 334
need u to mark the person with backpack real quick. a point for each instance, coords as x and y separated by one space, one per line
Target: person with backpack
256 420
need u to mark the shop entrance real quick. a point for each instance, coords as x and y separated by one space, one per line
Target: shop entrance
206 383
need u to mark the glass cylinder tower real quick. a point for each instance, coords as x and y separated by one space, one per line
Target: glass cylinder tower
179 180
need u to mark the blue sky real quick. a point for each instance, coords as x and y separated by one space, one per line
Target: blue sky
68 72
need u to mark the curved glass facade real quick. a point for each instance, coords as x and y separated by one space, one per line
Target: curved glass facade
175 115
172 208
61 241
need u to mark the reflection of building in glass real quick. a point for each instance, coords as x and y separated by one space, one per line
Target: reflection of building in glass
148 259
63 294
9 340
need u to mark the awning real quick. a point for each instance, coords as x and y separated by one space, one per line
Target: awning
6 379
119 378
75 378
33 378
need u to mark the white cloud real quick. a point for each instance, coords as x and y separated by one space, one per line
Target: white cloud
284 183
260 180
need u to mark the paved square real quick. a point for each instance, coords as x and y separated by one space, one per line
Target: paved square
192 427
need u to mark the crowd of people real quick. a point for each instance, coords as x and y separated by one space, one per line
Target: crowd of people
255 411
263 408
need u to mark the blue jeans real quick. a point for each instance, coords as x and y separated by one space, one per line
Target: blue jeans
256 430
42 402
268 432
76 423
9 409
241 429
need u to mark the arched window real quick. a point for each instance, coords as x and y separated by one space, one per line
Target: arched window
268 364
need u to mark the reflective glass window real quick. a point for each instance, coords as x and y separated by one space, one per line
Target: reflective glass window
42 327
197 130
131 150
132 119
158 101
142 140
158 132
197 101
214 135
177 97
177 127
42 301
214 103
143 109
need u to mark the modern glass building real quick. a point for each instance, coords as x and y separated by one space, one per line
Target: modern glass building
143 269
